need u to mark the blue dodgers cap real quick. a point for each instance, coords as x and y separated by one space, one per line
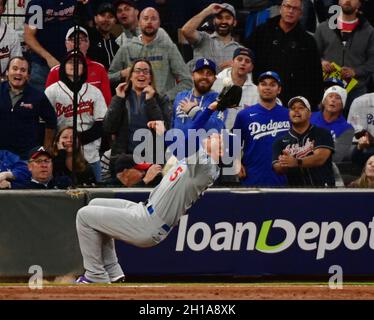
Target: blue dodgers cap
205 63
329 82
270 74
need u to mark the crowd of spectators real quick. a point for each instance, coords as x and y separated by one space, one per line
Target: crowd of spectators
152 67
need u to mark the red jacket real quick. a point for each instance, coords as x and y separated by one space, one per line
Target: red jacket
96 76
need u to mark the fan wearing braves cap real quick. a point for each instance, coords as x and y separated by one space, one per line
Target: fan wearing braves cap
260 125
41 167
132 172
331 118
304 154
239 74
218 46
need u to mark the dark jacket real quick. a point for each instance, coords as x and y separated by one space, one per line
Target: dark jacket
19 124
102 50
117 121
357 53
293 55
84 178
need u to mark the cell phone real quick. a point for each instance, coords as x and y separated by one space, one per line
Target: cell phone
360 134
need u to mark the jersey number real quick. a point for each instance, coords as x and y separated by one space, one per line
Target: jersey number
176 173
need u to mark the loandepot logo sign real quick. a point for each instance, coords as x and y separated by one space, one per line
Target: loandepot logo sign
311 236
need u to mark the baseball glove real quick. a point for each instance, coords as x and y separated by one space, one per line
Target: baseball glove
229 97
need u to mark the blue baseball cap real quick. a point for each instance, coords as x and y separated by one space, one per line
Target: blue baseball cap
329 82
205 63
245 52
270 74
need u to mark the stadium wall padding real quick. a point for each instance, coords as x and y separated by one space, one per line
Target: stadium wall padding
242 232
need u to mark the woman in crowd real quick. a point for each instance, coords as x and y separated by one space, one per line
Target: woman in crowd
135 104
63 159
366 180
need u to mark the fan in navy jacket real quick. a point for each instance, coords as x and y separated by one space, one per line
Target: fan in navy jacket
20 108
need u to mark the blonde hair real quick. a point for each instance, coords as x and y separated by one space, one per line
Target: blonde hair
363 181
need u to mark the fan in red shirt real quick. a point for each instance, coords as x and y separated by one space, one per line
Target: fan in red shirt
96 73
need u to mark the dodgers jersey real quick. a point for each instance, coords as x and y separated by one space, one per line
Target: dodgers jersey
260 127
183 122
182 186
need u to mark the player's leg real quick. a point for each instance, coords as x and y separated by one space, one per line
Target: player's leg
91 243
131 225
112 203
110 259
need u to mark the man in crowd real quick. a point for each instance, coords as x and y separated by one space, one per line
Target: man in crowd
239 74
282 45
96 73
20 107
331 118
189 102
45 37
103 46
218 46
350 44
260 125
171 73
41 168
304 154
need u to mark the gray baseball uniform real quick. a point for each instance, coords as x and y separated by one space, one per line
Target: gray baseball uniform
141 224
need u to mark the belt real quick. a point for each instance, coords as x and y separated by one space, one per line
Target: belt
151 211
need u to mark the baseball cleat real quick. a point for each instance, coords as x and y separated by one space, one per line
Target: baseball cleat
120 279
83 280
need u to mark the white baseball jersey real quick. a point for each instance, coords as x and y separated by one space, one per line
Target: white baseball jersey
249 94
17 23
91 108
9 46
361 113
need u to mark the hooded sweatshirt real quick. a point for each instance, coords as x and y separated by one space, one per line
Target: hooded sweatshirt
167 64
91 109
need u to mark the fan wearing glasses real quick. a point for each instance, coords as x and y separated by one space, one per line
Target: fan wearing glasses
136 105
41 168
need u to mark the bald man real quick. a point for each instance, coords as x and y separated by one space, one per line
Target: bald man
167 62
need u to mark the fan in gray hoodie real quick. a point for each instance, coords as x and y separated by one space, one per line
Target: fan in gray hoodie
171 72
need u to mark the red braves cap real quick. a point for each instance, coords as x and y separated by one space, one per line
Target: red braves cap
143 166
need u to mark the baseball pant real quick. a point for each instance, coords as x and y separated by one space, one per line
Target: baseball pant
102 221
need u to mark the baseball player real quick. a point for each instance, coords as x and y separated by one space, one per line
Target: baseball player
145 224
